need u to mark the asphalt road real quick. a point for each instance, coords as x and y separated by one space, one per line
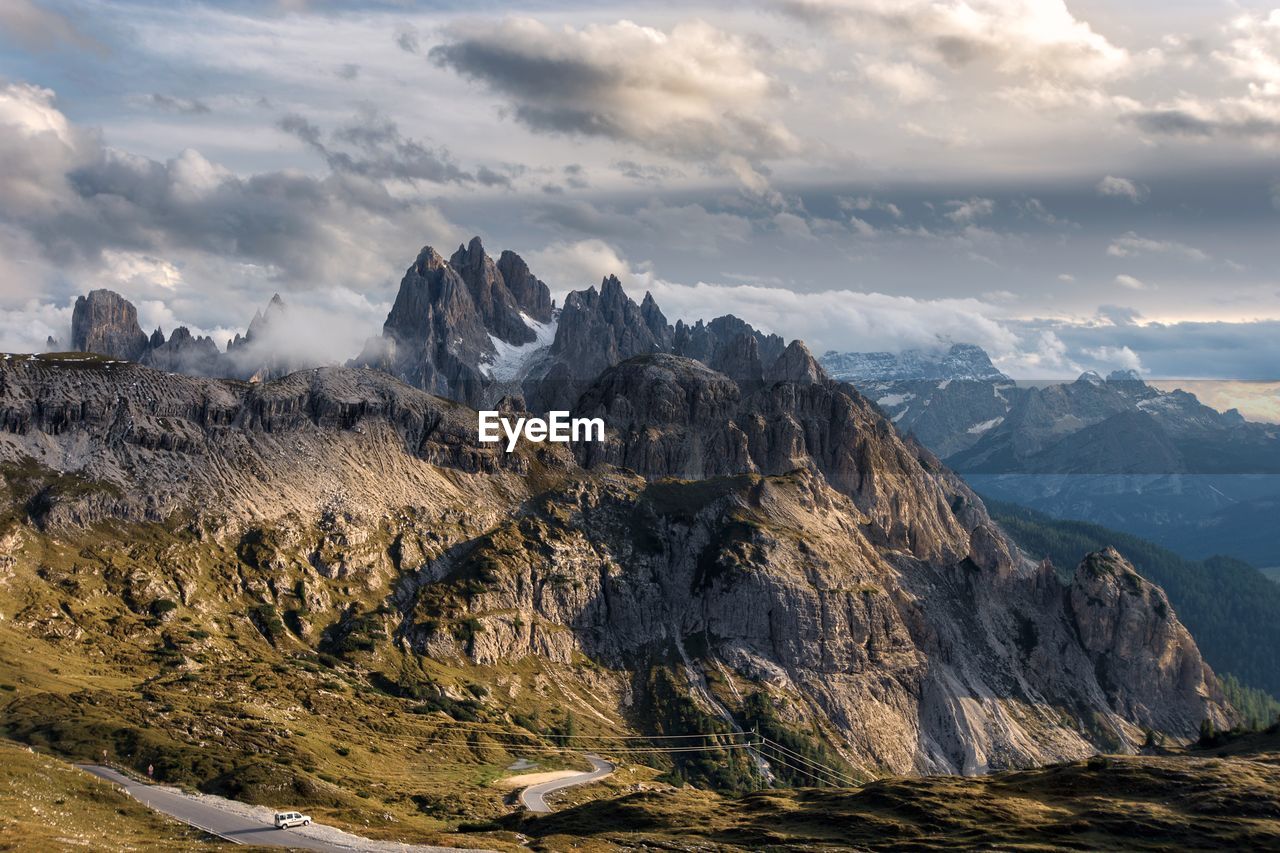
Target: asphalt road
215 821
533 797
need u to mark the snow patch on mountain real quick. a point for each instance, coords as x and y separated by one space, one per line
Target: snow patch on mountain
509 362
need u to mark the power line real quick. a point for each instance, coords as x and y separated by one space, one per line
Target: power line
498 730
818 764
808 773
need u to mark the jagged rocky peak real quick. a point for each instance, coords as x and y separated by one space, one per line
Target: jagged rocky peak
184 353
454 320
796 364
498 308
529 292
957 362
106 323
708 342
1124 376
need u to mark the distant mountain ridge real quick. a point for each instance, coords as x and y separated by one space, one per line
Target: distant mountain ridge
1111 450
959 361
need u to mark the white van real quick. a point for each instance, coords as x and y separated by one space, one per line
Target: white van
287 820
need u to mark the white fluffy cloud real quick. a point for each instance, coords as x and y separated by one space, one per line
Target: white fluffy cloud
207 242
1041 38
1132 244
1121 188
1130 283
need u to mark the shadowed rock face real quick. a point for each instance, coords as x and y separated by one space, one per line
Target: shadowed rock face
530 294
809 553
498 308
106 323
596 330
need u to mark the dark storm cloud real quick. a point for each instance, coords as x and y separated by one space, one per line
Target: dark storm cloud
348 71
695 92
407 39
1174 122
375 148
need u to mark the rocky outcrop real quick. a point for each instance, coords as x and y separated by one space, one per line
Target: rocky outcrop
106 323
262 353
668 416
1146 661
796 364
958 362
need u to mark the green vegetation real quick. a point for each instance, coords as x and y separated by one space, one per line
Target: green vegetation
1258 708
672 711
1231 609
760 715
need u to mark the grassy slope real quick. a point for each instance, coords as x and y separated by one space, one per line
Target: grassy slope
1192 801
46 804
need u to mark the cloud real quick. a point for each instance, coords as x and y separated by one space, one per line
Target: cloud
1013 37
75 213
1252 53
186 106
373 147
1132 244
348 71
1121 188
693 92
1184 350
1249 119
866 202
407 38
1128 281
844 320
45 29
970 210
907 82
674 226
1119 357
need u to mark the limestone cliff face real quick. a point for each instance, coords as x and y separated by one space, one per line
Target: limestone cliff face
807 552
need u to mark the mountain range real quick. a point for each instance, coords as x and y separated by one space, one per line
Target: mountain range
750 527
1113 450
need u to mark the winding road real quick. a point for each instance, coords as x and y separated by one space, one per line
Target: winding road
239 829
215 821
533 797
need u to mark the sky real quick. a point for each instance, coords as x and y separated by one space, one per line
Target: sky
1072 186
